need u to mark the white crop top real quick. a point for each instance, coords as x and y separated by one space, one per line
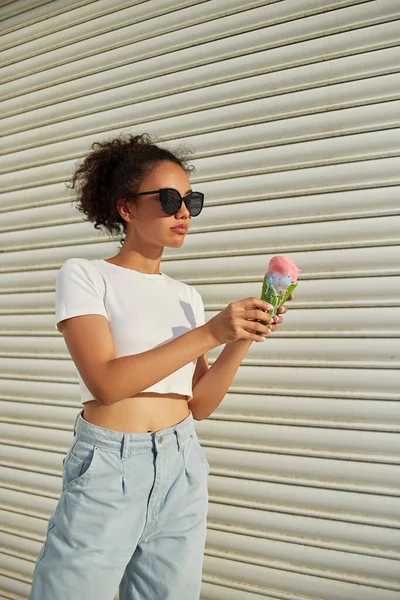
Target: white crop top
144 311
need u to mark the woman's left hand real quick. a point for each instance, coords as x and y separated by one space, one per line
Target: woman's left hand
278 319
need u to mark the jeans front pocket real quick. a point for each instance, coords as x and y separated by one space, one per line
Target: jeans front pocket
79 463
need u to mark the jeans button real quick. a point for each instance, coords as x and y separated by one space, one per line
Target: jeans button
160 439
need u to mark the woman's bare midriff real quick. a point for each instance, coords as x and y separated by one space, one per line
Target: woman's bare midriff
146 412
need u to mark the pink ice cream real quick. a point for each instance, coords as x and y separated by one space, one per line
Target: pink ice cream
283 265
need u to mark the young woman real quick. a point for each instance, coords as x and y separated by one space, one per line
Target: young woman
134 501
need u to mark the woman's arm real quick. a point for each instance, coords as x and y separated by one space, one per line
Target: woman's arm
210 390
110 379
212 387
138 372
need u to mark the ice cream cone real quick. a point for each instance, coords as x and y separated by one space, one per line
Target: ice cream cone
279 282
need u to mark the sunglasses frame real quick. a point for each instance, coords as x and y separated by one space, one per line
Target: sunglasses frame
164 198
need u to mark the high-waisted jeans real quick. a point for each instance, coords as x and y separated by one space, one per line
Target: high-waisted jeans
132 513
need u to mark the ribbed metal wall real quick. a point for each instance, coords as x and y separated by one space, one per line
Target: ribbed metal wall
293 111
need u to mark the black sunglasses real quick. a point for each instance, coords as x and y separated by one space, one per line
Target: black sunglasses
171 200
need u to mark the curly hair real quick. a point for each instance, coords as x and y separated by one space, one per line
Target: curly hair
112 170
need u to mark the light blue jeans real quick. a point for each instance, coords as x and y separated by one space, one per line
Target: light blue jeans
132 512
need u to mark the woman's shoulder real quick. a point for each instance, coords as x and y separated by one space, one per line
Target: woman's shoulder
79 267
73 261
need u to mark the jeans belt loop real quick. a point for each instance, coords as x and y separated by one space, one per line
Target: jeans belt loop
124 446
76 420
178 438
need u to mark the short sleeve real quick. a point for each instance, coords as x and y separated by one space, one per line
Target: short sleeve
198 308
79 290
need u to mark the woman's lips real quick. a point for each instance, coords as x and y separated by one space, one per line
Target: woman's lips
180 229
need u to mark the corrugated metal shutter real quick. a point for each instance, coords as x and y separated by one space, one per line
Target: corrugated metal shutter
293 111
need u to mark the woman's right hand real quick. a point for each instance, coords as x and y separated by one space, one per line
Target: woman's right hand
239 321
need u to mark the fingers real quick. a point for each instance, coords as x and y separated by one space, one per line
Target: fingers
276 321
256 303
282 310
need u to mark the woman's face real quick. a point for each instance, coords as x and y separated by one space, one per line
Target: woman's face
149 221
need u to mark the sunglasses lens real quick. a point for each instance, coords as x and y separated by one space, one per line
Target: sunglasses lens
195 203
171 202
